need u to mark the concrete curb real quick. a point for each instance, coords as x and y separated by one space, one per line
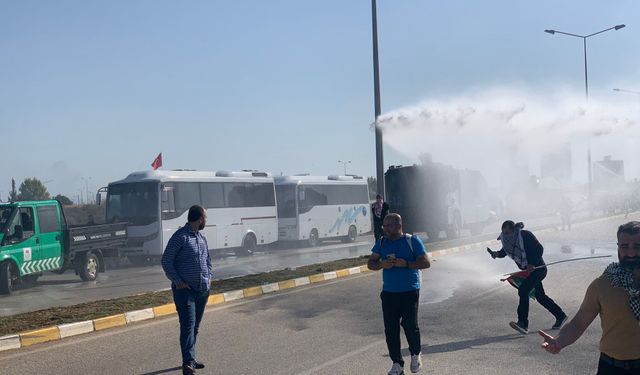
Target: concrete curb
62 331
59 332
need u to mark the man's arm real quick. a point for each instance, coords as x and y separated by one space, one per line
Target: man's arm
497 254
576 327
374 263
421 263
168 261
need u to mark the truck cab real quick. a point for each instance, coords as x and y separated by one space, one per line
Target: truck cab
35 238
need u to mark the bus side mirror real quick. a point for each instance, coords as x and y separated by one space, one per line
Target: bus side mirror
19 232
98 199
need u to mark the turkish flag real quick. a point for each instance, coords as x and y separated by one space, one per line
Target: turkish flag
157 163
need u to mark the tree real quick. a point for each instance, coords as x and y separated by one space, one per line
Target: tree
33 189
63 199
13 195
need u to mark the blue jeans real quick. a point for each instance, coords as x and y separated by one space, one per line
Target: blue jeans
190 305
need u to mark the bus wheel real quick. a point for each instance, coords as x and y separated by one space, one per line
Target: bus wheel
314 239
352 235
89 267
249 245
8 278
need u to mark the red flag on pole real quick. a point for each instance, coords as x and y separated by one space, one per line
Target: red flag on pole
157 163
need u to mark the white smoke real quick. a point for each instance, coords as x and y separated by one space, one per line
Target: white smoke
486 130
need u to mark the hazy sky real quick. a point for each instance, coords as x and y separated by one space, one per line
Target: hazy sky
95 89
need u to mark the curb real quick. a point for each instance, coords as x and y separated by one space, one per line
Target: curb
59 332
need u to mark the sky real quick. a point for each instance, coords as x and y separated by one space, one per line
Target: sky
91 91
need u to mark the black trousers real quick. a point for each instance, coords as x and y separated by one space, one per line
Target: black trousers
401 309
377 228
605 368
535 281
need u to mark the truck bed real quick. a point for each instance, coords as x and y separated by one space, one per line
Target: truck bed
95 237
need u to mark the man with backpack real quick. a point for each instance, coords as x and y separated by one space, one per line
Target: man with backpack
401 257
526 251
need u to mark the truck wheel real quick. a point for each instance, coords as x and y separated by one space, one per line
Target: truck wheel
89 268
314 239
8 278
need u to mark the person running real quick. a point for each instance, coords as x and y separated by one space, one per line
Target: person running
401 257
615 296
526 251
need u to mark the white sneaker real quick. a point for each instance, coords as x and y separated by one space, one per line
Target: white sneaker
396 370
416 362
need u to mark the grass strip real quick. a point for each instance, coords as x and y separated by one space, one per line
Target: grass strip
92 310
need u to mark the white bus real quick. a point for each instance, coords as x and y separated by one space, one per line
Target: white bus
313 208
241 209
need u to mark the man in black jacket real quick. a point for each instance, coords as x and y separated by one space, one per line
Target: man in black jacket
525 249
379 210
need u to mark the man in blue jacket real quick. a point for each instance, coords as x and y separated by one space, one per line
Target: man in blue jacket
187 263
401 257
526 251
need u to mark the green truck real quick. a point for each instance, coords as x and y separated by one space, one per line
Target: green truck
35 237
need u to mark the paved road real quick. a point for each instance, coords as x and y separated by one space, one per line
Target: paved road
67 289
336 327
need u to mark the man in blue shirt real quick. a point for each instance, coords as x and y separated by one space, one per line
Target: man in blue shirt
401 257
187 263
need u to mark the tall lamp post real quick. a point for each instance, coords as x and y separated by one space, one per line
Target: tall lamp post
344 164
586 82
628 91
376 95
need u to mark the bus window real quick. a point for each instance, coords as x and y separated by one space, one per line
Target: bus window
286 195
212 194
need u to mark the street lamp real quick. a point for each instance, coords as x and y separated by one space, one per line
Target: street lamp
376 99
344 164
629 91
586 80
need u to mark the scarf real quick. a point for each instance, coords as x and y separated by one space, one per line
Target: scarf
377 209
623 278
513 245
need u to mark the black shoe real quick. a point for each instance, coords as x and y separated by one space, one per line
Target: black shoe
197 365
188 370
559 322
520 327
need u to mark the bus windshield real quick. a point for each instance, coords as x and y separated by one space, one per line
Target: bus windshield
135 203
286 196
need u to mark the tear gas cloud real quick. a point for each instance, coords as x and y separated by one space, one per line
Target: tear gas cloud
493 130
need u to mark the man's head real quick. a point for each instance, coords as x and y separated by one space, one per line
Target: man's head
197 215
379 198
629 245
508 227
392 226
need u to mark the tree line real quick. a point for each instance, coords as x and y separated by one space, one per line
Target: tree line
32 189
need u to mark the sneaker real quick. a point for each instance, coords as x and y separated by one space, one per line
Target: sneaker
416 362
197 365
519 327
396 370
559 322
